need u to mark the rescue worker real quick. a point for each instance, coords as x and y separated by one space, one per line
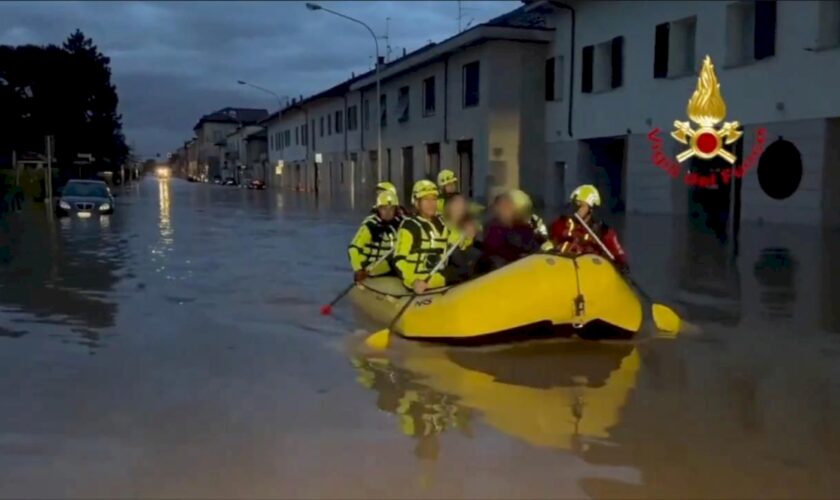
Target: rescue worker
569 236
387 186
525 212
423 239
448 185
375 238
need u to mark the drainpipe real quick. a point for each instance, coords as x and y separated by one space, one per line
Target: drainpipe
344 126
446 100
561 5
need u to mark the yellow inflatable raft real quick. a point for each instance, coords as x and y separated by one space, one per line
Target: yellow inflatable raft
531 294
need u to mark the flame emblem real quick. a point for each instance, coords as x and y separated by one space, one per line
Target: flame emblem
706 108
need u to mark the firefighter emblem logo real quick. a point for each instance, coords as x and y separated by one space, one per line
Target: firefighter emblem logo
707 109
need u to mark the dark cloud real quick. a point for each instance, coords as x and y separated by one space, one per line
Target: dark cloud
174 61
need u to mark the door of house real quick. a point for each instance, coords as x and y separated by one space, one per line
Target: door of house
407 172
432 160
465 166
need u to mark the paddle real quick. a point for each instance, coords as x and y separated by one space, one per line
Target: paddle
379 340
326 309
665 318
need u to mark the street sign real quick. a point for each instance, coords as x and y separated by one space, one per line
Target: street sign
85 157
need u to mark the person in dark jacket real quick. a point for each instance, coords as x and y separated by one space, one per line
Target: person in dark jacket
507 238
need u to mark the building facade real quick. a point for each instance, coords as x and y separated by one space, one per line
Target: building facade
211 133
626 68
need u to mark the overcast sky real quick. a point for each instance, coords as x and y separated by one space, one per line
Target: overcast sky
174 61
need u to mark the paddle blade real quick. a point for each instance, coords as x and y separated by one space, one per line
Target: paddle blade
666 319
378 340
326 309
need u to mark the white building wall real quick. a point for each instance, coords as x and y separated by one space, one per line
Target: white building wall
803 88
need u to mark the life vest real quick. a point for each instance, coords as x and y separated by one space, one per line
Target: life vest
374 239
421 244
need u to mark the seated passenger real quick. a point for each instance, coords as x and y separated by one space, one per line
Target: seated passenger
375 238
462 264
422 241
525 213
570 237
506 238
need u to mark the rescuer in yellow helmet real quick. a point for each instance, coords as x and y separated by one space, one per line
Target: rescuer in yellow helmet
448 185
387 186
569 236
423 239
375 238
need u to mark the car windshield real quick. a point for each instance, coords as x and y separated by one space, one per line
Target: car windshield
86 189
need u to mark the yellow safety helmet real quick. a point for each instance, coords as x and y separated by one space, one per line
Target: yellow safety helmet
446 177
521 201
385 186
587 194
387 199
422 189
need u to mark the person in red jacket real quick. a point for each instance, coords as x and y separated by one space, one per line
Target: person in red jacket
570 237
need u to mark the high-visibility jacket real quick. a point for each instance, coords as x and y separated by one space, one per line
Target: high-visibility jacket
569 236
374 239
421 243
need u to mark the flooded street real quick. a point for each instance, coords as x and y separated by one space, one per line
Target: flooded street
175 349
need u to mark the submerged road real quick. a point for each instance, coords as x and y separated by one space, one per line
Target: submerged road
175 350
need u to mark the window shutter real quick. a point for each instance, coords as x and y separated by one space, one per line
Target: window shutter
765 29
586 73
549 79
660 51
617 54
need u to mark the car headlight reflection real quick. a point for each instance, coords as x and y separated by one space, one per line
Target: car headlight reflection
105 206
64 205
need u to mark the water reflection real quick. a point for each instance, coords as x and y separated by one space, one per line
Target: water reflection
62 272
775 270
562 395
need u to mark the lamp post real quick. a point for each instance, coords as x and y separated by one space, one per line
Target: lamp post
279 99
315 6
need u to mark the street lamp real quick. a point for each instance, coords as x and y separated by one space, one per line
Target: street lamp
315 6
279 100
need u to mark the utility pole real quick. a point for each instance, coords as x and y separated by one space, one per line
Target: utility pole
48 185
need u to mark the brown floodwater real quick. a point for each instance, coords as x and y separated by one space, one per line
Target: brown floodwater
175 350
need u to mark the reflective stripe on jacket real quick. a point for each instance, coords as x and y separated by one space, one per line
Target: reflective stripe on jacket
420 245
374 239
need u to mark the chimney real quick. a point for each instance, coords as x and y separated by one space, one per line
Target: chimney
381 60
352 74
403 51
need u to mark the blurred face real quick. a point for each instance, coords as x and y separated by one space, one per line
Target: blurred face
505 211
584 211
456 208
386 213
450 188
427 206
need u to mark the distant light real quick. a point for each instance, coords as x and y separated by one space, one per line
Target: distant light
313 6
319 158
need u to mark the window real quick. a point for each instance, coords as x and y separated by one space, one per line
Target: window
271 142
366 114
297 136
303 134
329 124
674 48
828 31
217 135
279 140
750 32
586 69
603 66
288 138
322 126
469 83
313 133
429 96
383 111
432 160
339 121
403 104
352 118
550 75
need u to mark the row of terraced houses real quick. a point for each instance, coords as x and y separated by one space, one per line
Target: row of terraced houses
556 94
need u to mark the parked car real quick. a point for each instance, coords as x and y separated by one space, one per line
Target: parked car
217 179
85 198
256 184
230 181
191 179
